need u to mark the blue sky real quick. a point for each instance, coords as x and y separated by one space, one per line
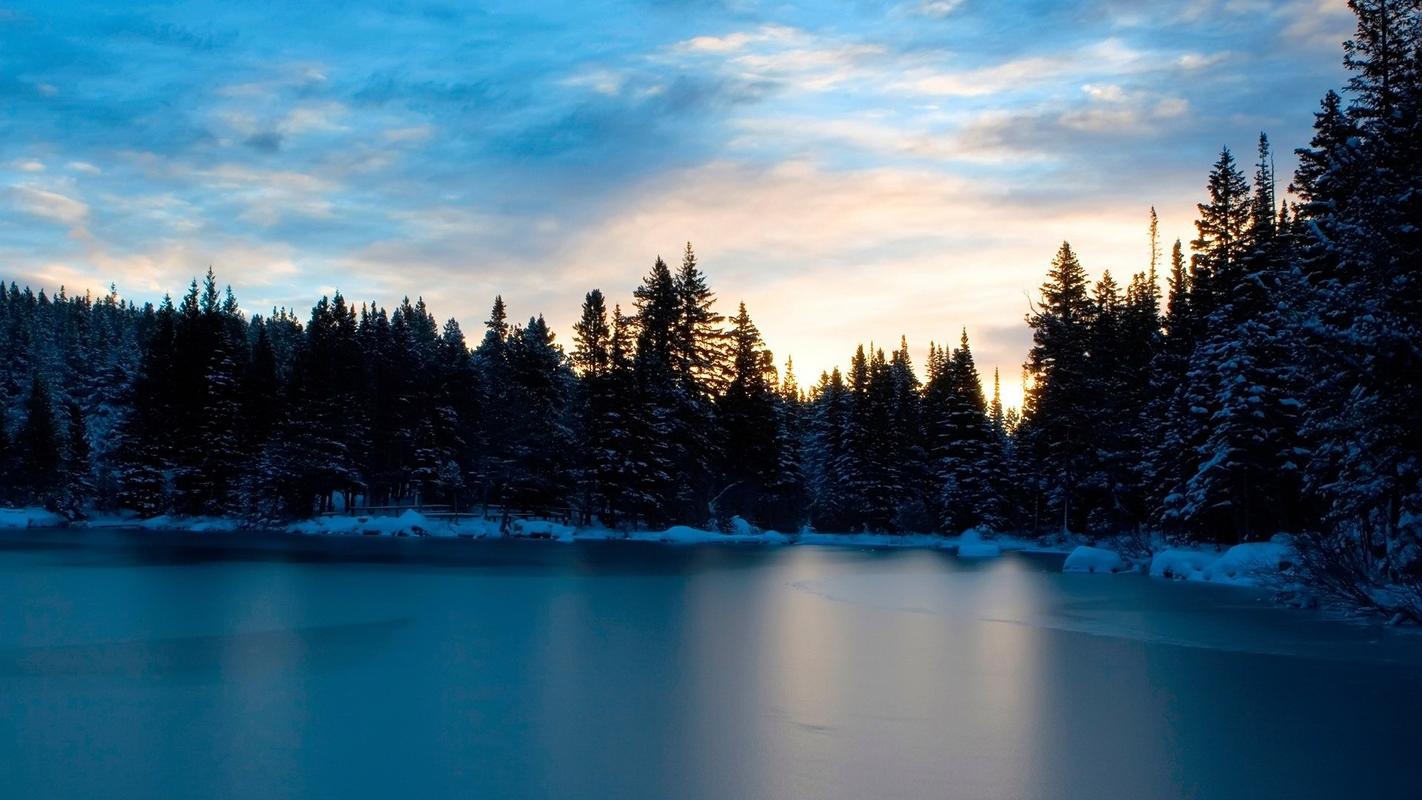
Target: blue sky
855 170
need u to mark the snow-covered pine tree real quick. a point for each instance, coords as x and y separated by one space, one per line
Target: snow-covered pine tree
1361 182
543 419
828 461
1246 484
963 446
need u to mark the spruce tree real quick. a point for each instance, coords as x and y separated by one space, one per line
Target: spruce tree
828 458
592 358
750 429
1057 420
38 442
963 446
1223 236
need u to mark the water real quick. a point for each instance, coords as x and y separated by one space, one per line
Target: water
146 665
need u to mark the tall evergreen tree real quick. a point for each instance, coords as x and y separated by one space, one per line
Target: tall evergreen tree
964 446
1057 423
750 429
40 449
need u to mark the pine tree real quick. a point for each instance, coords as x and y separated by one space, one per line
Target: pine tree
699 346
78 487
144 452
542 420
1245 395
750 429
1362 185
828 458
963 445
592 357
41 454
7 454
1057 418
1223 236
496 392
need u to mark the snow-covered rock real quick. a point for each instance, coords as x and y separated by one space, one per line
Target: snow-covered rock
1094 559
1180 564
1248 564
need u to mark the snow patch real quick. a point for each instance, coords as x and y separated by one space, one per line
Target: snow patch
1250 563
972 545
1180 564
408 523
29 518
1094 559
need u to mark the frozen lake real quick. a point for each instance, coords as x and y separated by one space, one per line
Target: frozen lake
147 665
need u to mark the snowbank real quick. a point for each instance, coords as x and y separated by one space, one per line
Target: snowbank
972 545
29 518
408 523
543 529
1094 559
1248 564
1180 564
194 524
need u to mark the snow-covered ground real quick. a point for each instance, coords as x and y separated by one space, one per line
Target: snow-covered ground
1248 564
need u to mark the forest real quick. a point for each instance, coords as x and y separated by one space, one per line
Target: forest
1264 377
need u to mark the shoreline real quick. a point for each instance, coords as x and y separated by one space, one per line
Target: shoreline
412 525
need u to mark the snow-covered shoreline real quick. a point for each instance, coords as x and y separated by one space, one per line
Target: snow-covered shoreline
1250 564
971 544
1247 564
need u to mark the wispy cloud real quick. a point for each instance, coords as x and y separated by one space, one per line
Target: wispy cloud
48 205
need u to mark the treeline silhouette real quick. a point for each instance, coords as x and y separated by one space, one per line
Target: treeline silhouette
1274 385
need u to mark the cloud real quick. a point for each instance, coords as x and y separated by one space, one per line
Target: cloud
48 205
937 8
1322 24
603 81
1107 57
774 54
779 35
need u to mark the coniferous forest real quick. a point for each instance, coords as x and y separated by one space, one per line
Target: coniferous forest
1264 377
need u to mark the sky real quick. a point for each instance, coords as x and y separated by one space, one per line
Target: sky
852 171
